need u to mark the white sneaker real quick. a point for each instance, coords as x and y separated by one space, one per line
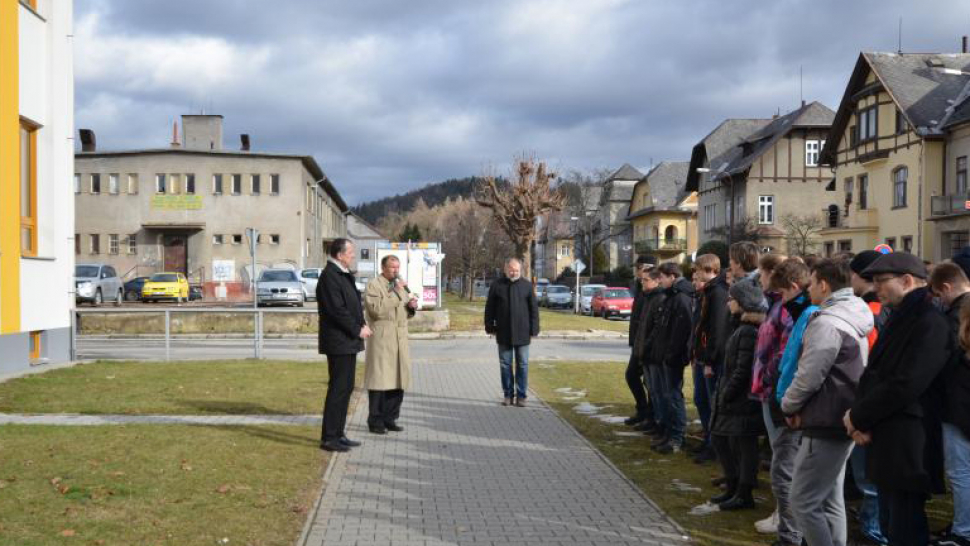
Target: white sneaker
769 525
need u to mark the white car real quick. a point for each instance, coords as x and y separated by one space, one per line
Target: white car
309 278
586 293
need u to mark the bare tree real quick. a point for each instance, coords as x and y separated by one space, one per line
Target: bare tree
516 207
801 231
745 229
471 251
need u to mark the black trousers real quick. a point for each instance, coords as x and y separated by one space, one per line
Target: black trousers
634 380
738 456
342 370
385 407
902 516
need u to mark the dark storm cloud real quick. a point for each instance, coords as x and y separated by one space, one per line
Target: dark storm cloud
390 95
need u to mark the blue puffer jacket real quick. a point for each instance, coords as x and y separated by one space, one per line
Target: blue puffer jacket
789 360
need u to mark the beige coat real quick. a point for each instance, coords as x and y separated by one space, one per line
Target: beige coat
388 358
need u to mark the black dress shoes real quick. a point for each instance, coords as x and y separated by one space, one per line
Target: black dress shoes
348 442
393 427
335 446
377 429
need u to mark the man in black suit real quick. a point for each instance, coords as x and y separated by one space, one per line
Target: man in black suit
342 335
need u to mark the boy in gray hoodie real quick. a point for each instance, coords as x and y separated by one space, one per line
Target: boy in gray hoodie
832 360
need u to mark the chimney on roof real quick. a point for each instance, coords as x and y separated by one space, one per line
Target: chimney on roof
964 50
245 142
202 132
175 135
88 142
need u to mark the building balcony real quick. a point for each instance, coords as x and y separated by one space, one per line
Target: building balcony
661 245
860 219
949 205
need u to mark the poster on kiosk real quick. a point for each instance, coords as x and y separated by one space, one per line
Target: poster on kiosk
420 268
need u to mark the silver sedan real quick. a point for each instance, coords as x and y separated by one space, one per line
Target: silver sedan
279 287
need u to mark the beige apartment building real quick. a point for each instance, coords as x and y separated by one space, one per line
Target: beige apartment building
765 180
555 245
663 214
187 207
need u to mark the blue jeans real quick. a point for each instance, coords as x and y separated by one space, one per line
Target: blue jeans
956 449
516 384
702 399
676 410
655 385
869 509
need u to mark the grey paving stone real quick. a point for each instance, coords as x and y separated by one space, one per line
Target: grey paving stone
468 471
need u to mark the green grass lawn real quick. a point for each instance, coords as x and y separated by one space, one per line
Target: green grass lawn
656 474
176 485
161 484
468 316
214 387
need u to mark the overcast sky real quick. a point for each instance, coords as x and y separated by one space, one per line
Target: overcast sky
391 95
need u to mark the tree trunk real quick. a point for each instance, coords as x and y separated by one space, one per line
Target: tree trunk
523 251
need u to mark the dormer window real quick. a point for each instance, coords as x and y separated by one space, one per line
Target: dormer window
868 124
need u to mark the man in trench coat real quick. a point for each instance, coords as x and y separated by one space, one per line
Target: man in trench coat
389 305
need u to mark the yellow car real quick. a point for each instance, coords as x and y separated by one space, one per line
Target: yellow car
165 286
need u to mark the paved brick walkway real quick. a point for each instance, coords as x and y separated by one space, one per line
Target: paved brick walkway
468 471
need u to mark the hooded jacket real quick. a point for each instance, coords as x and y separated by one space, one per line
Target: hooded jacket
899 394
735 413
833 356
713 327
770 348
957 375
670 346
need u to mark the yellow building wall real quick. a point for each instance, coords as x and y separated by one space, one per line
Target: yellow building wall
924 161
9 168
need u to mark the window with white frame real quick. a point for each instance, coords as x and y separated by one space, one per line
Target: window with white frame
133 183
868 123
95 247
190 184
766 209
114 186
961 180
236 184
77 183
95 184
160 183
217 184
274 184
812 148
217 239
113 243
710 217
564 250
254 184
133 243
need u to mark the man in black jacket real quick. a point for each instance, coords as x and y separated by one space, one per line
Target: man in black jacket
894 411
950 283
671 350
512 315
634 369
712 328
342 334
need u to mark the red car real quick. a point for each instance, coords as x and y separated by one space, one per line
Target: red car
612 301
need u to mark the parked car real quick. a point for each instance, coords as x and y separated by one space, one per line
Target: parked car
196 293
612 301
95 283
541 285
586 293
556 295
166 286
133 288
309 278
279 287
